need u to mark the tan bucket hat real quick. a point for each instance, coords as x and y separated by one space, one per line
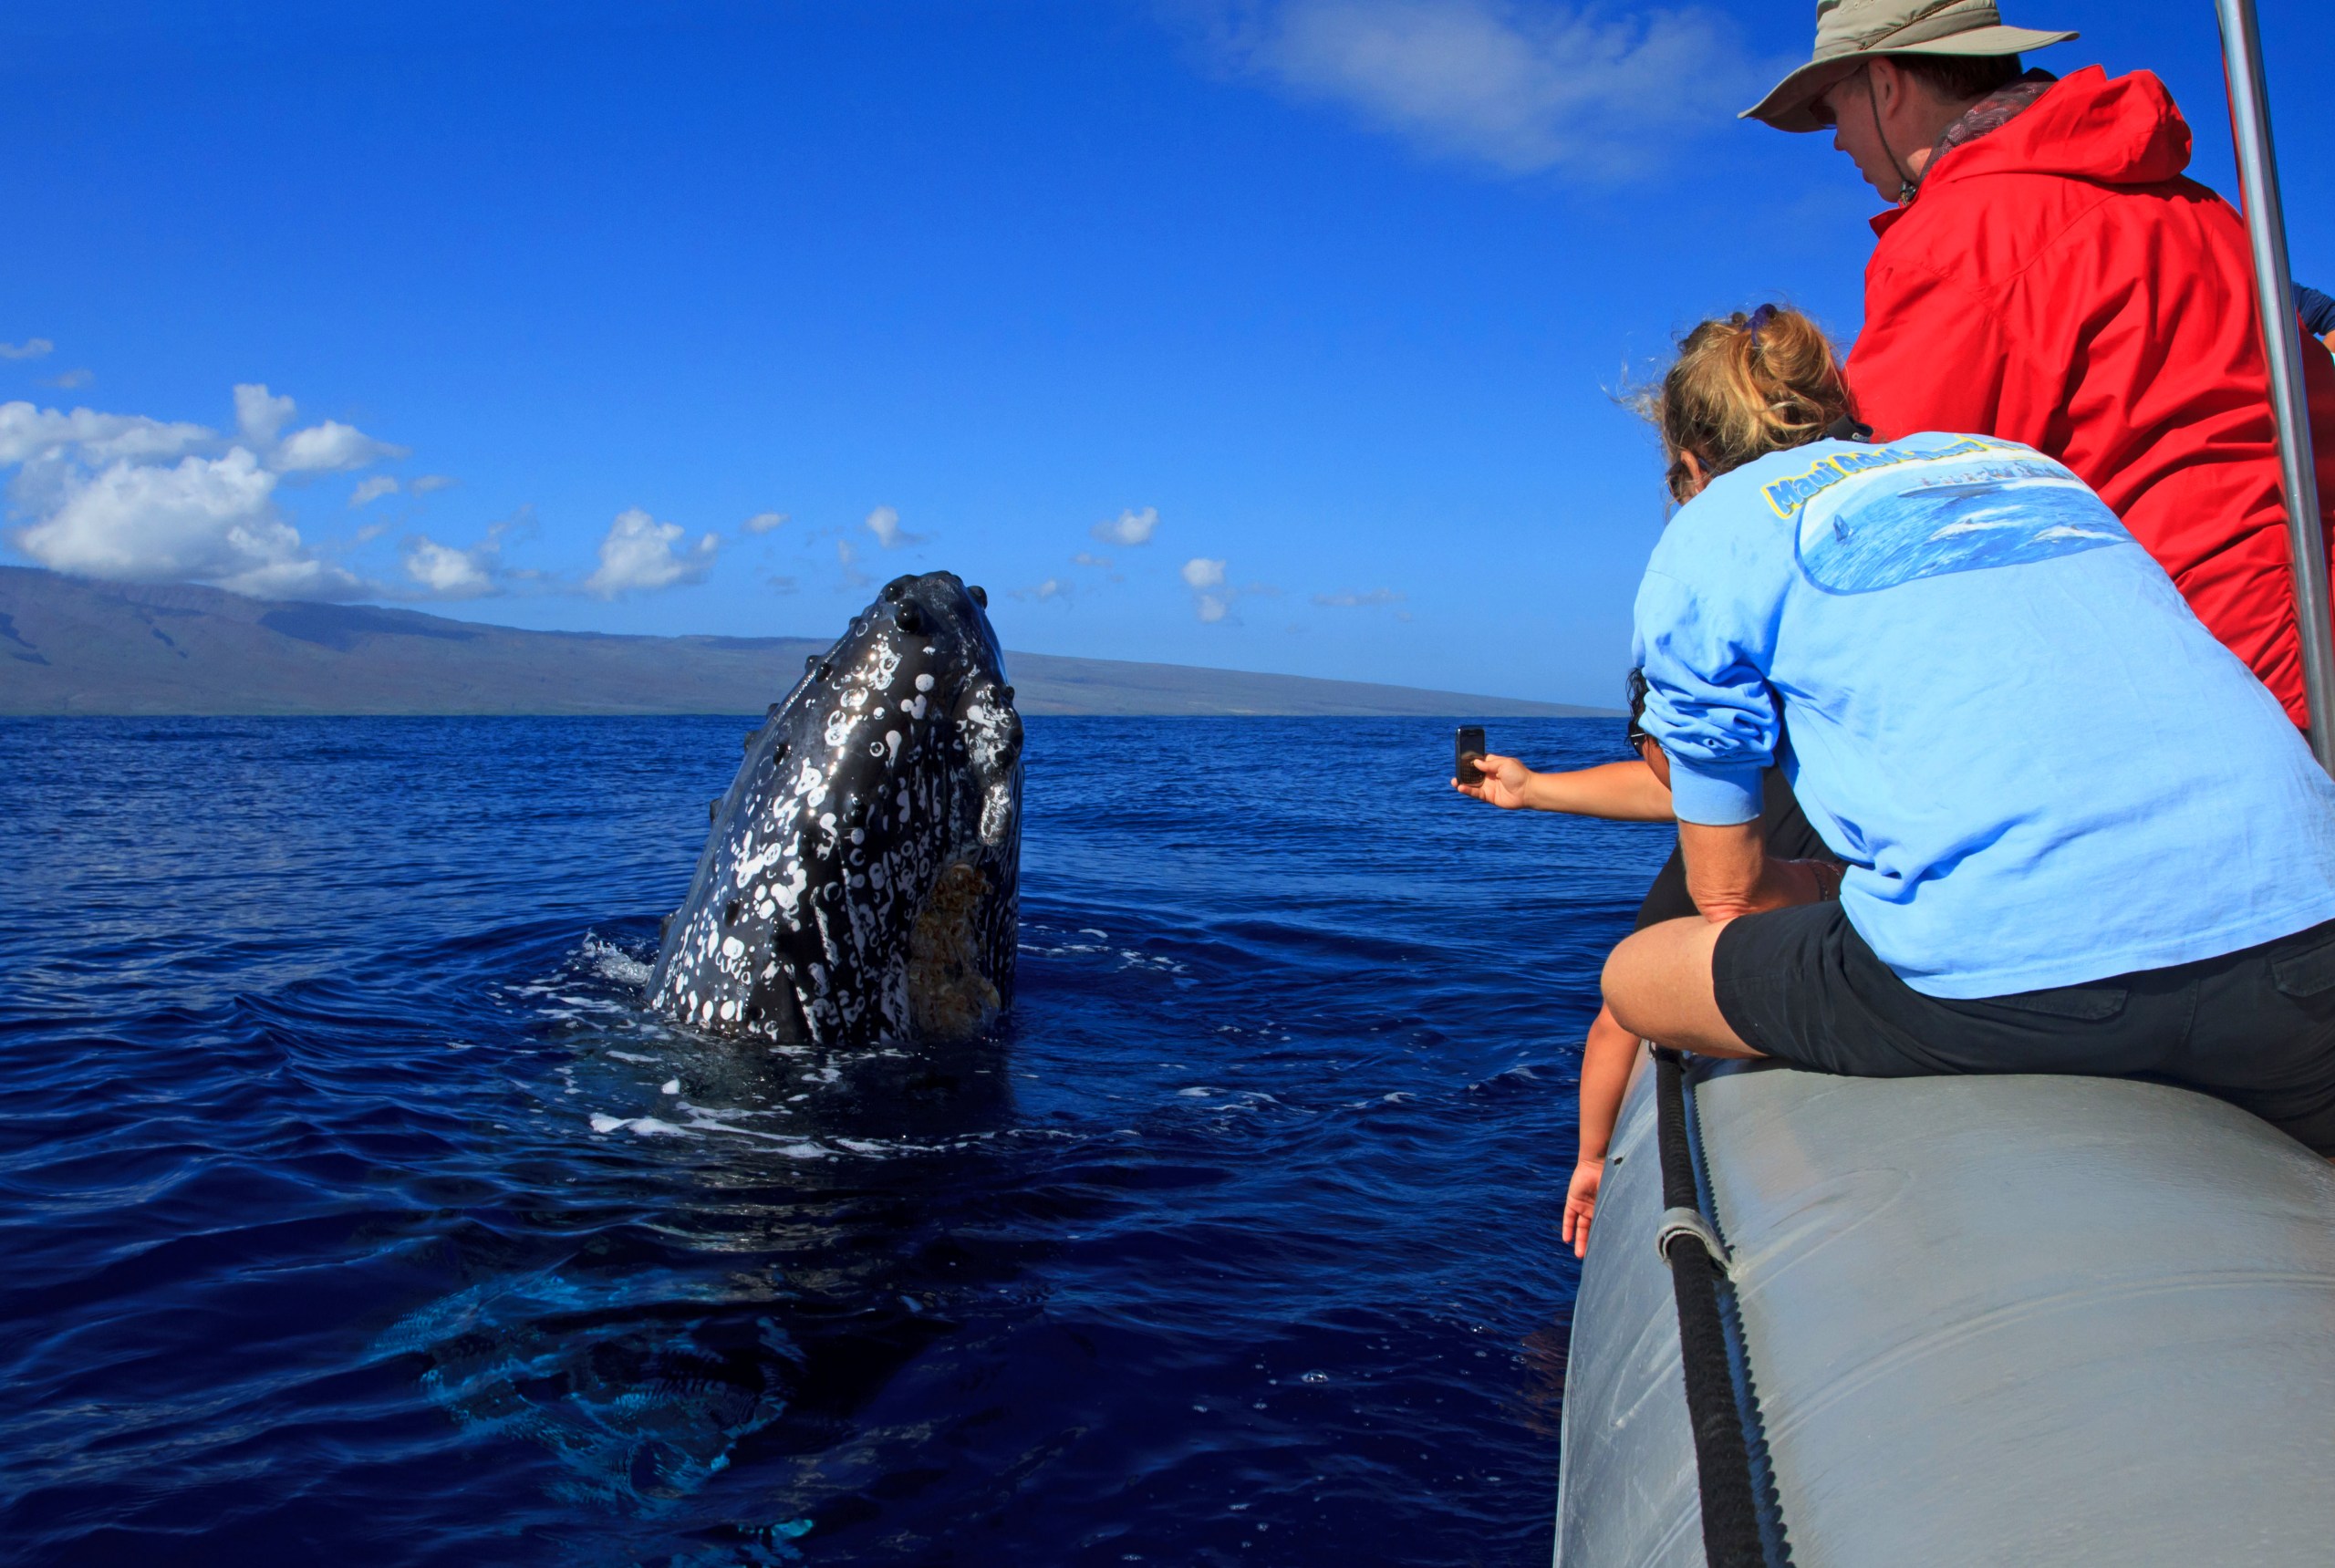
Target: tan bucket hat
1851 32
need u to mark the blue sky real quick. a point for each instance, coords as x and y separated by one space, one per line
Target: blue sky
1304 316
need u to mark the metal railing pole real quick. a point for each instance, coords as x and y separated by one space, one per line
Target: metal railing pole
2266 221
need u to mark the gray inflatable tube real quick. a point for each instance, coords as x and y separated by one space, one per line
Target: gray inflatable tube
2020 1320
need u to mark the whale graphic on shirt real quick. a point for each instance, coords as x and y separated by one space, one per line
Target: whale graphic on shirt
1913 515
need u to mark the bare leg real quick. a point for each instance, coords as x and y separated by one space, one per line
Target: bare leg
1658 986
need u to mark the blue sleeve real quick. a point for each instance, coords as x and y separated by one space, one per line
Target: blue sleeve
1708 699
2318 311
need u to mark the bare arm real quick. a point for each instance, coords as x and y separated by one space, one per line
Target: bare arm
1606 1060
1619 792
1729 873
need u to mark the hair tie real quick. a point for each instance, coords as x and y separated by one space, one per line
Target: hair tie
1759 318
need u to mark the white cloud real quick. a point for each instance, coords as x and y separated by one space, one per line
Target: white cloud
372 489
1051 588
637 554
446 572
331 448
29 435
203 520
885 524
126 497
30 348
1088 558
764 521
328 448
1211 600
1521 85
428 482
1130 528
451 574
1360 600
260 416
66 380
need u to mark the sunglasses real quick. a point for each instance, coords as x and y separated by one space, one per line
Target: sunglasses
1821 112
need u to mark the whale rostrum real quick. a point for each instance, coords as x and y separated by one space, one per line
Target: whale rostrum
862 879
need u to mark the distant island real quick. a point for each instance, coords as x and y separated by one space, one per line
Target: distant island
69 646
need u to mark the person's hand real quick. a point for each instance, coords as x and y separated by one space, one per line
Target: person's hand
1503 782
1581 1203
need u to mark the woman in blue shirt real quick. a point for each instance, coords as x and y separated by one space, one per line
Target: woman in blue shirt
2080 836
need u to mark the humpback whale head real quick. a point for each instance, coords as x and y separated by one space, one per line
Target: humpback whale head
861 881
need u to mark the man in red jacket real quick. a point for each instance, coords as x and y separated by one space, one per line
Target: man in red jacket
2049 276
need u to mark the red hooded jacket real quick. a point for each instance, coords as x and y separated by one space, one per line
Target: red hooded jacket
2058 283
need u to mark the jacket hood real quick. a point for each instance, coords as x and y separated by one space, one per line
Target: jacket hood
2120 132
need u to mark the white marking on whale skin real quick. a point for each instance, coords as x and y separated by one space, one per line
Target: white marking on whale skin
997 813
924 683
892 740
731 948
984 728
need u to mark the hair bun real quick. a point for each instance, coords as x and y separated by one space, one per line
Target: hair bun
1747 386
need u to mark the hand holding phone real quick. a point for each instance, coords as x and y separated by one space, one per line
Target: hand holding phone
1468 746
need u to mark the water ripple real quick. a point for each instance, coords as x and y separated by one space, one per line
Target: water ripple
355 1210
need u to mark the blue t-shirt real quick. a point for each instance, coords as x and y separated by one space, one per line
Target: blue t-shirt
2042 769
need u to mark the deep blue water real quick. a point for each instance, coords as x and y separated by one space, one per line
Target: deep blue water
352 1212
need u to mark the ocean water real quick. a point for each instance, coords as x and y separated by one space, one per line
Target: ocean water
354 1213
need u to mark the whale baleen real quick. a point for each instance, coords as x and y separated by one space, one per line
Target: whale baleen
861 881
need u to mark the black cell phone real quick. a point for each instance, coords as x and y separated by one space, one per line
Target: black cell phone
1467 743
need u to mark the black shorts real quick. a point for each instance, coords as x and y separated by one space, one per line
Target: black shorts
2255 1027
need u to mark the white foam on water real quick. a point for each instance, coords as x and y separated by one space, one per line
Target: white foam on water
639 1126
611 962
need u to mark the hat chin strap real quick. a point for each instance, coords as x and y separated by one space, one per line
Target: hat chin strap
1907 187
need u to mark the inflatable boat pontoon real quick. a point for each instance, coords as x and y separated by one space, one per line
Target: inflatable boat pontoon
2020 1321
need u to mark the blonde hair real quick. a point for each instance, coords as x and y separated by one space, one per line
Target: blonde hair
1745 387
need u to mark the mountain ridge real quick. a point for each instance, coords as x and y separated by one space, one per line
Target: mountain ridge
75 645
